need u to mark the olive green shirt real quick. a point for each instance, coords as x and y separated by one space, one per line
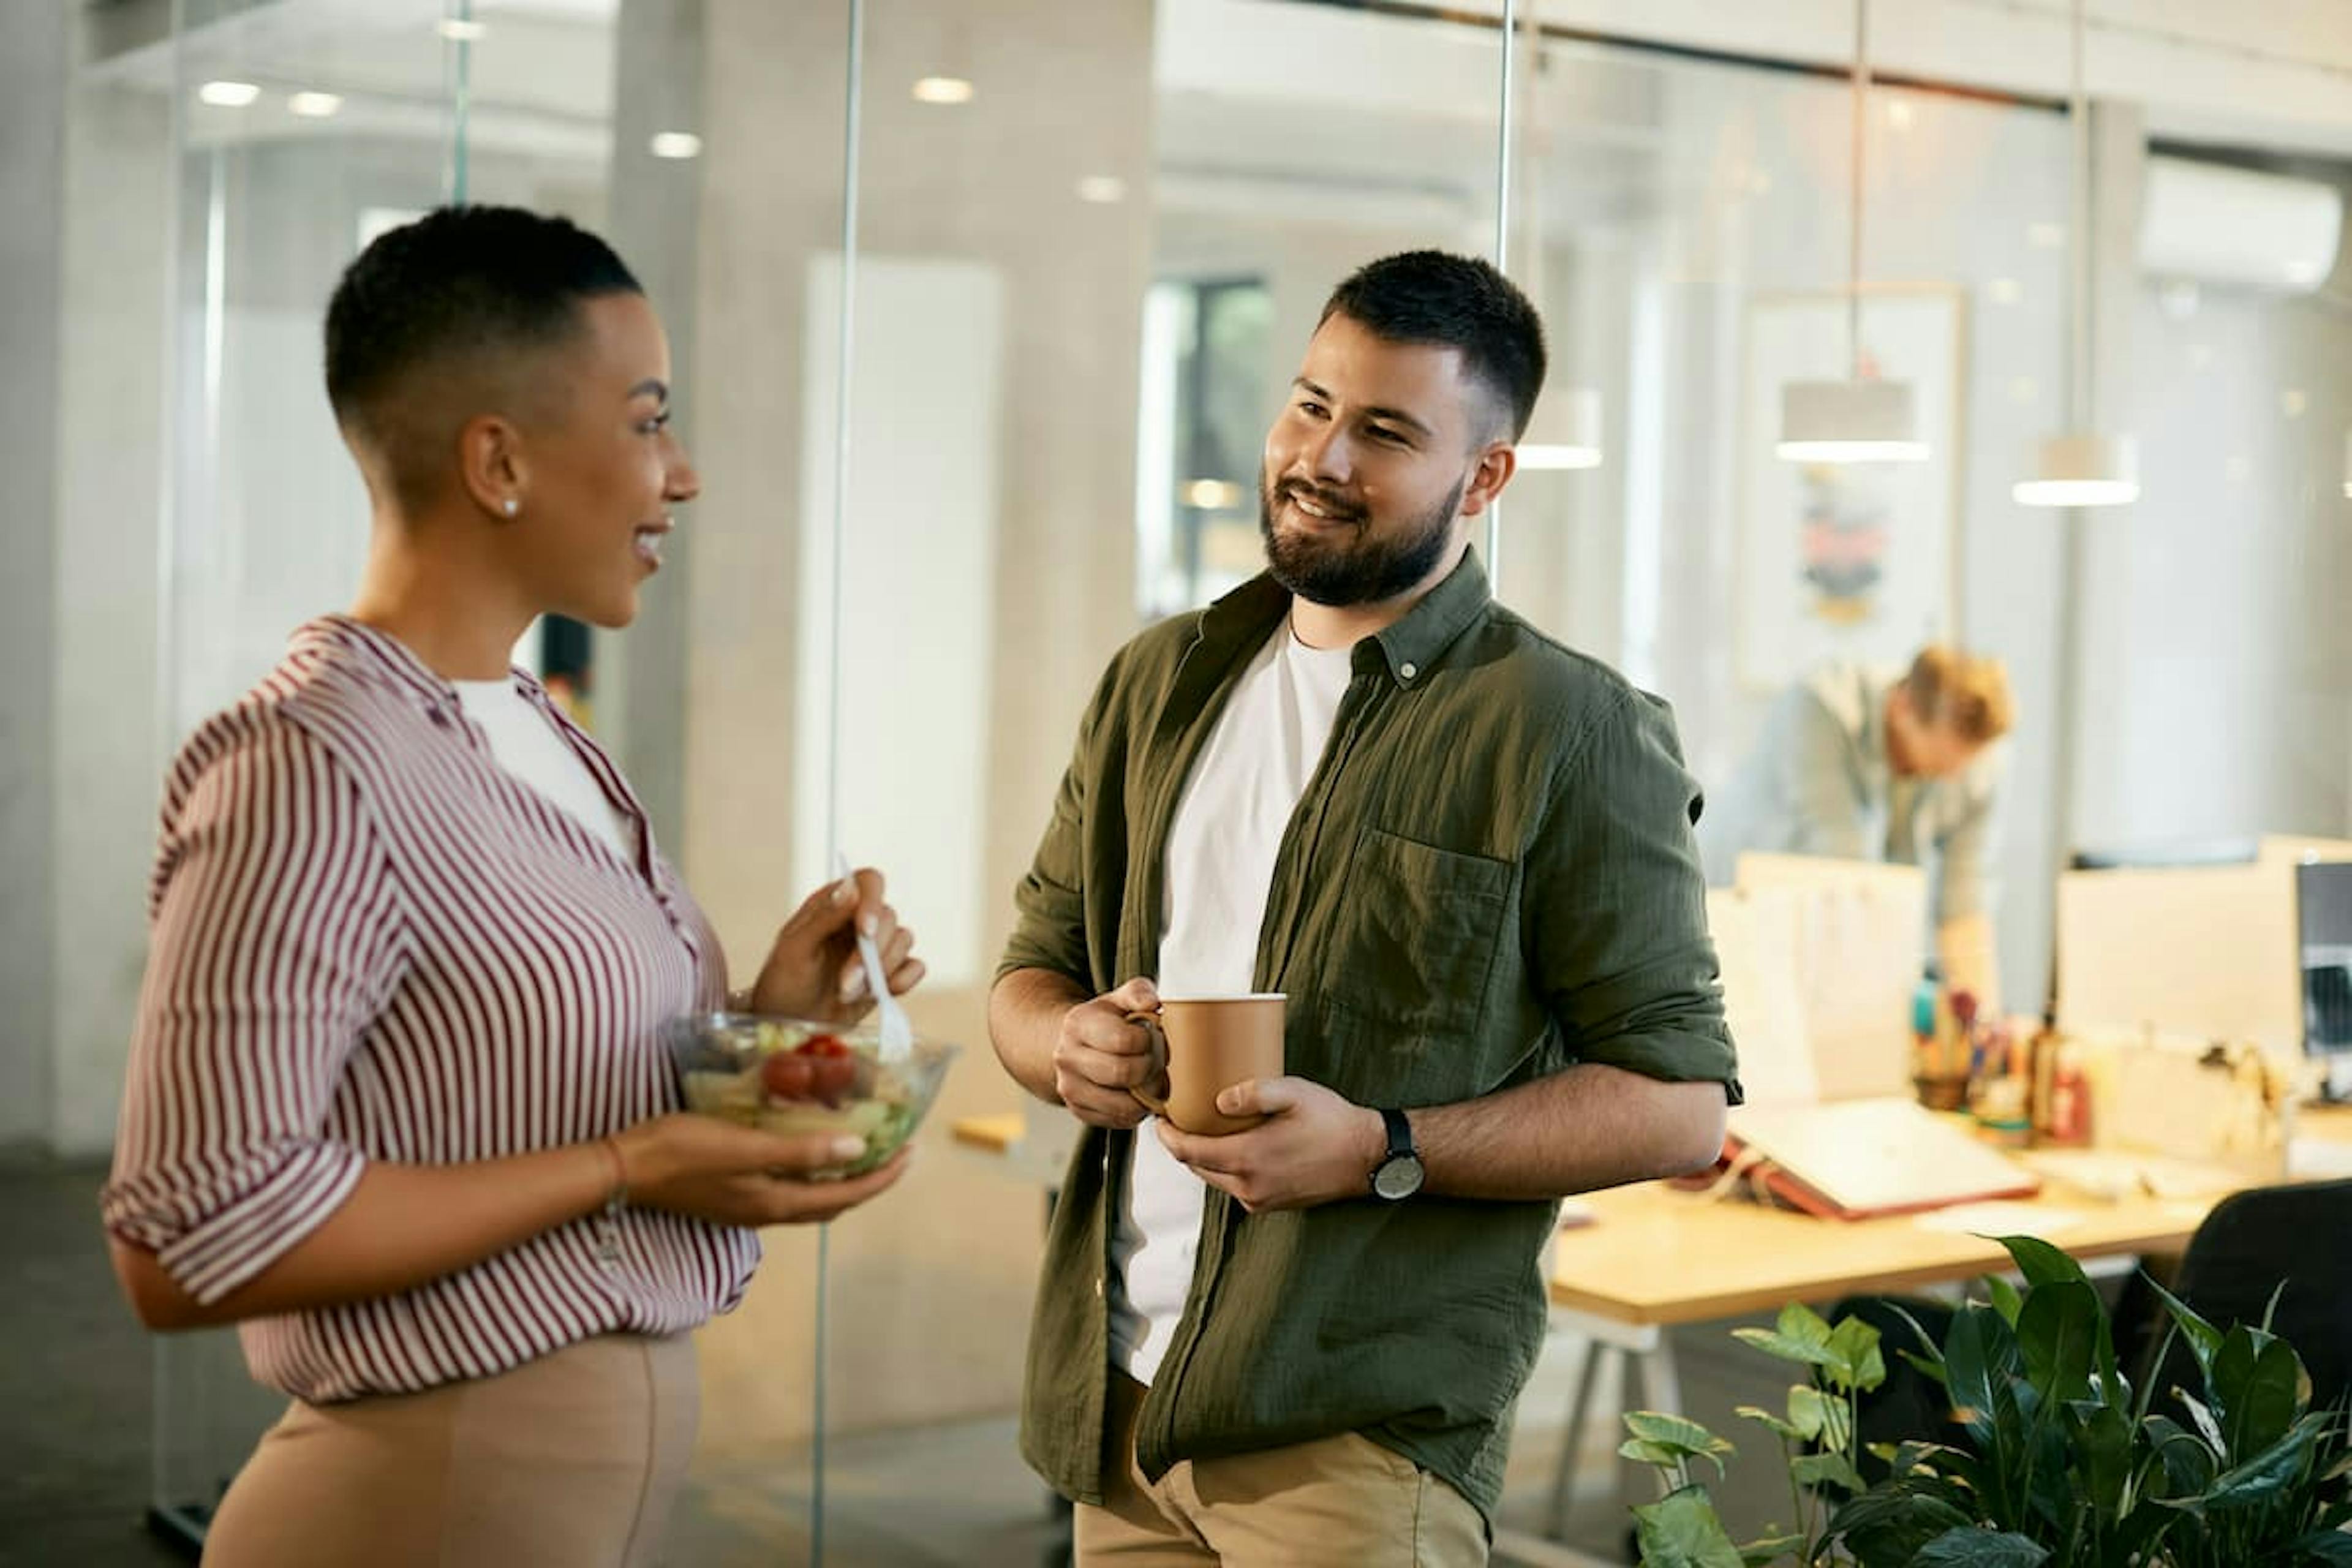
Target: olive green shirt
1490 877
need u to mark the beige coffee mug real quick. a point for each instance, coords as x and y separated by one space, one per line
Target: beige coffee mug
1206 1045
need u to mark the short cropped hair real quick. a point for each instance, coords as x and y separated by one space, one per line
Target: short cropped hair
1967 692
1458 302
463 290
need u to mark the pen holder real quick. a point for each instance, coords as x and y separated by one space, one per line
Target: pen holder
1942 1091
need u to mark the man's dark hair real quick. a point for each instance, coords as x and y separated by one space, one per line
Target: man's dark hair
463 288
1457 302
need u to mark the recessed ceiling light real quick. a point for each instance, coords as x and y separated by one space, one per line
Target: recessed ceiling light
2293 402
1900 114
943 90
314 105
1102 189
461 29
2045 236
675 144
2005 290
228 94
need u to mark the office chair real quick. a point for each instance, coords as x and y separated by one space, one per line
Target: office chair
2249 1245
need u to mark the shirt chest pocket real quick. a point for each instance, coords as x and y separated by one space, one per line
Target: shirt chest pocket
1415 937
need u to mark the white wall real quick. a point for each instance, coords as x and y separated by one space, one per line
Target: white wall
106 756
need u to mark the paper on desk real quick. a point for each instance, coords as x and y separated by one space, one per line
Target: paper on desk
1998 1219
2318 1160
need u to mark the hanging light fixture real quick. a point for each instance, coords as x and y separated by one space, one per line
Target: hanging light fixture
2080 467
1565 432
1861 419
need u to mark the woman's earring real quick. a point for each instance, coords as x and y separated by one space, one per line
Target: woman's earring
513 506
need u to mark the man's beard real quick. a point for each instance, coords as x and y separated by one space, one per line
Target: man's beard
1340 568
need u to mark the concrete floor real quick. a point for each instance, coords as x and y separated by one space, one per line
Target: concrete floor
76 1403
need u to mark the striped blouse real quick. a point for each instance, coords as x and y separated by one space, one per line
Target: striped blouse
373 942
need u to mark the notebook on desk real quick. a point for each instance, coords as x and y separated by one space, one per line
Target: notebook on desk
1858 1158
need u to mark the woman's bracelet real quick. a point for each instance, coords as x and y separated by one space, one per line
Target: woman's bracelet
608 1220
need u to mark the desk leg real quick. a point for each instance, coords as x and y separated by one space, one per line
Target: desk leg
1661 1383
1572 1441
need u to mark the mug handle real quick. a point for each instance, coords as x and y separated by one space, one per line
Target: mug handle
1149 1023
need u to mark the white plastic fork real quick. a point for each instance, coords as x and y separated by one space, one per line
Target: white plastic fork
898 1042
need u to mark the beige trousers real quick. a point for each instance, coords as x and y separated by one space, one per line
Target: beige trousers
1340 1502
571 1461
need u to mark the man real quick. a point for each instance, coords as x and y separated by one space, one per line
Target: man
1466 856
1864 763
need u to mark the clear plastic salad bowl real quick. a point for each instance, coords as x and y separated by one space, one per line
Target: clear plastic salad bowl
795 1077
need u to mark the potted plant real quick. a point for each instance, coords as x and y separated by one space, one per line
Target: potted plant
2058 1459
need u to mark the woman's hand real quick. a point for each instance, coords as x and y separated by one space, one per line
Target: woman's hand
714 1170
814 971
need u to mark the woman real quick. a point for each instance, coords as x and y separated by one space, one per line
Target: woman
398 1102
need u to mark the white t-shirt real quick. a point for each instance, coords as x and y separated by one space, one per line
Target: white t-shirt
527 744
1220 854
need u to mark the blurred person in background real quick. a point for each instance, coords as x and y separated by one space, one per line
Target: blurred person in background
1862 763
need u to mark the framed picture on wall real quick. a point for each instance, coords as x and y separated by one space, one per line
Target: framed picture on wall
1848 561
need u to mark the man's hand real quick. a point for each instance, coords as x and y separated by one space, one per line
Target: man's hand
1100 1059
1313 1147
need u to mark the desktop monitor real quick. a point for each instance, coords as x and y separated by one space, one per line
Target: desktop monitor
2323 917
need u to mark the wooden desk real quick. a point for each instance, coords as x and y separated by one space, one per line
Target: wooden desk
1654 1255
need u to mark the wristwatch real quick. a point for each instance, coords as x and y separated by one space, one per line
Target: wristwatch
1399 1175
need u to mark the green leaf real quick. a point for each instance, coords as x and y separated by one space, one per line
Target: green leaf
1802 1324
2189 1465
1971 1547
2268 1473
1859 1359
2203 1338
1782 1346
2104 1445
1680 1531
1665 1456
1926 1341
1676 1432
2058 1333
1809 1411
2201 1416
1981 1355
2260 1385
1765 1417
1891 1524
2042 1264
1767 1549
1826 1469
2005 1299
1925 1368
2329 1546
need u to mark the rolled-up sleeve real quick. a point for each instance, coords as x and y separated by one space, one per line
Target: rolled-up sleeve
1616 906
274 925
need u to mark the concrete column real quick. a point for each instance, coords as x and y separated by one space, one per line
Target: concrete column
33 82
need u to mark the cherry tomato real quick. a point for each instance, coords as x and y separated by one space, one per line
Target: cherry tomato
824 1045
832 1076
787 1075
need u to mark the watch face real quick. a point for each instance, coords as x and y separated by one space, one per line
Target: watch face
1398 1177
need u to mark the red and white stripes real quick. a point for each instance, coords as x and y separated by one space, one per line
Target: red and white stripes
371 942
